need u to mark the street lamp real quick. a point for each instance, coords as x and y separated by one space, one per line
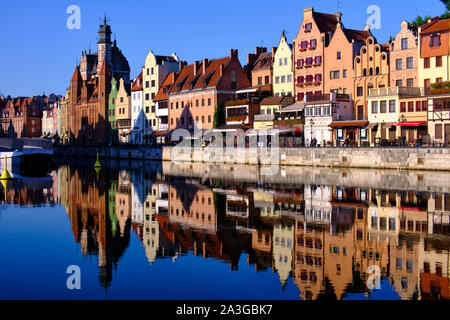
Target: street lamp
402 120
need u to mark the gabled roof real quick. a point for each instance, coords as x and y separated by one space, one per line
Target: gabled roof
357 35
264 61
186 80
167 84
272 101
76 77
137 84
325 22
436 25
105 69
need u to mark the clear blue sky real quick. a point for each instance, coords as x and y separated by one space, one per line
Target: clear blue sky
38 53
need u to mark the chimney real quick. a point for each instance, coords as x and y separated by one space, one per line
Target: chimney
274 49
308 11
367 27
205 65
196 67
221 69
338 16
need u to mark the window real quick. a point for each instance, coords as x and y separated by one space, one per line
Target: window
285 61
424 105
404 43
438 80
427 83
301 79
411 106
383 106
209 101
259 81
374 106
289 78
344 73
335 75
313 43
209 119
277 80
410 82
398 64
147 96
418 106
402 106
339 55
308 26
438 61
147 84
153 83
391 105
304 44
435 40
281 62
410 63
300 62
359 91
318 60
309 61
426 63
283 79
399 83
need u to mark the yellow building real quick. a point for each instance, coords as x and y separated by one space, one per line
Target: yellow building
396 112
151 226
155 71
123 111
63 119
283 250
268 108
283 84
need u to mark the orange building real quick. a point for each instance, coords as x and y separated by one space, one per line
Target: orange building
340 55
200 87
404 58
309 46
371 71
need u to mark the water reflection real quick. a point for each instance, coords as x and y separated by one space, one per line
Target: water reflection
322 238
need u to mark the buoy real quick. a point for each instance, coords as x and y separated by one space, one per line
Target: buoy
97 163
5 184
5 175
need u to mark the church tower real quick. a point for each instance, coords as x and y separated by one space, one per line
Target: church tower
104 44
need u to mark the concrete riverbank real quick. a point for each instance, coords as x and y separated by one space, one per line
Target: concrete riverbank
423 159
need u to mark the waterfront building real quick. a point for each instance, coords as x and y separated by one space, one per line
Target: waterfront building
137 197
321 111
138 118
439 116
313 37
339 57
404 58
283 84
162 107
260 70
268 109
123 111
397 112
155 71
202 86
90 88
371 70
49 114
123 201
22 118
112 120
434 52
150 236
239 114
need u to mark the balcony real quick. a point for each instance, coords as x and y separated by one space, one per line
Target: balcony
163 126
264 117
124 123
394 91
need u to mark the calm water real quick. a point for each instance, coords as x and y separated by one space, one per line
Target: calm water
145 234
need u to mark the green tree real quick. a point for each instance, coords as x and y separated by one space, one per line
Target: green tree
419 21
219 115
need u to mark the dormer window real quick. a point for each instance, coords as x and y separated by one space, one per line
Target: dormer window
435 40
308 27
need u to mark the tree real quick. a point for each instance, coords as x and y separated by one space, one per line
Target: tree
419 21
219 115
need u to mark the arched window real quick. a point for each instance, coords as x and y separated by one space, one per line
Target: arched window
371 71
365 72
377 71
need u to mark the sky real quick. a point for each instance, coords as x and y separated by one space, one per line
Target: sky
38 53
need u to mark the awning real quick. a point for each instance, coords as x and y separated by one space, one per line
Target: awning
410 124
371 125
387 125
296 107
281 131
343 124
159 133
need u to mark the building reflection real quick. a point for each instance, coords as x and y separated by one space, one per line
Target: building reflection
322 239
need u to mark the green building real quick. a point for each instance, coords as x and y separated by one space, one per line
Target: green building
113 126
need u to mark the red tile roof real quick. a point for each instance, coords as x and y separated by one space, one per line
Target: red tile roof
357 35
163 92
436 25
137 84
76 75
325 22
186 80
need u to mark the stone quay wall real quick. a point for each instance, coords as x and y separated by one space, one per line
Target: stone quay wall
422 159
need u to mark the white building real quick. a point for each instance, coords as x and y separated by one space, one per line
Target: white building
137 113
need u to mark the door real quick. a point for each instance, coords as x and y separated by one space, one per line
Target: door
447 134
